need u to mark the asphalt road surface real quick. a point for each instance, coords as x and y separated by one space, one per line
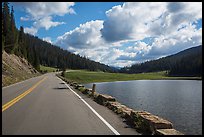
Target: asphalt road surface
45 105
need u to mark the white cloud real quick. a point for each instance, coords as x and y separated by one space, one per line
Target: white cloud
42 13
136 52
169 24
85 36
176 15
105 55
46 23
24 18
86 40
47 39
30 30
135 21
141 19
176 41
39 10
129 20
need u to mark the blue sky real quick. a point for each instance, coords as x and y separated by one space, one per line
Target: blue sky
114 33
85 11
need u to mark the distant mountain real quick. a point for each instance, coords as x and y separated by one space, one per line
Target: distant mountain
185 63
116 69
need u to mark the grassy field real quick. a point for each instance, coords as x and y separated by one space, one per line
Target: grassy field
82 76
48 69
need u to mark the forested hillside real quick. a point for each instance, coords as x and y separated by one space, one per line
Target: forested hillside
37 51
53 56
184 63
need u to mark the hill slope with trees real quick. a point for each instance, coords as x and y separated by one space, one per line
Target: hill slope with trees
37 51
184 63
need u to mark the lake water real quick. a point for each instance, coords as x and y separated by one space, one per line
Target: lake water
179 101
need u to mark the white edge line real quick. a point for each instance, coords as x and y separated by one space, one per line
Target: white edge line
100 117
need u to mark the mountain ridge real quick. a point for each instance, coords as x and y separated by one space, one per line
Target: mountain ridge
184 63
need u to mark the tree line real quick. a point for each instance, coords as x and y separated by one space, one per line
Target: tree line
37 51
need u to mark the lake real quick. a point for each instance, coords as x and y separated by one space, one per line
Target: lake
179 101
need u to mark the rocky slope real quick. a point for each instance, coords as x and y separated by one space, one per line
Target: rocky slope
15 69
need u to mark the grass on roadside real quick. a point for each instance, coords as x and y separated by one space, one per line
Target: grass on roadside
47 69
82 76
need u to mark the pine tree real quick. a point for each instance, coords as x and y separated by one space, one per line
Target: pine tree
30 55
9 28
3 39
6 27
14 33
6 18
21 43
36 63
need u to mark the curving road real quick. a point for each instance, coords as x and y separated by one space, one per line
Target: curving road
45 105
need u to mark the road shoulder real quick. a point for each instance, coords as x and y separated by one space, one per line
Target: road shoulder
113 119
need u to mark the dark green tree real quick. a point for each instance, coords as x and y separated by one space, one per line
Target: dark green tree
3 38
9 28
6 26
22 49
36 63
13 33
6 18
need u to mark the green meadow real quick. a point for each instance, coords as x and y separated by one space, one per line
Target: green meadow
83 76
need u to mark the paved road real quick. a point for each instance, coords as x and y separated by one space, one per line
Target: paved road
45 105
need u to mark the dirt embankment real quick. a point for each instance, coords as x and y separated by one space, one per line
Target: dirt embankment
16 69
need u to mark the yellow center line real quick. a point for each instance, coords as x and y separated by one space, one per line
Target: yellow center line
12 102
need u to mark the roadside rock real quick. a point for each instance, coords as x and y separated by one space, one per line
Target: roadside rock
103 99
121 110
79 86
114 106
148 122
126 113
168 132
74 84
95 96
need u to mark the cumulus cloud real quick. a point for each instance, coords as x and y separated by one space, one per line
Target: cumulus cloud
39 10
170 24
141 19
123 38
85 36
129 20
46 23
47 39
30 30
136 52
176 41
42 12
